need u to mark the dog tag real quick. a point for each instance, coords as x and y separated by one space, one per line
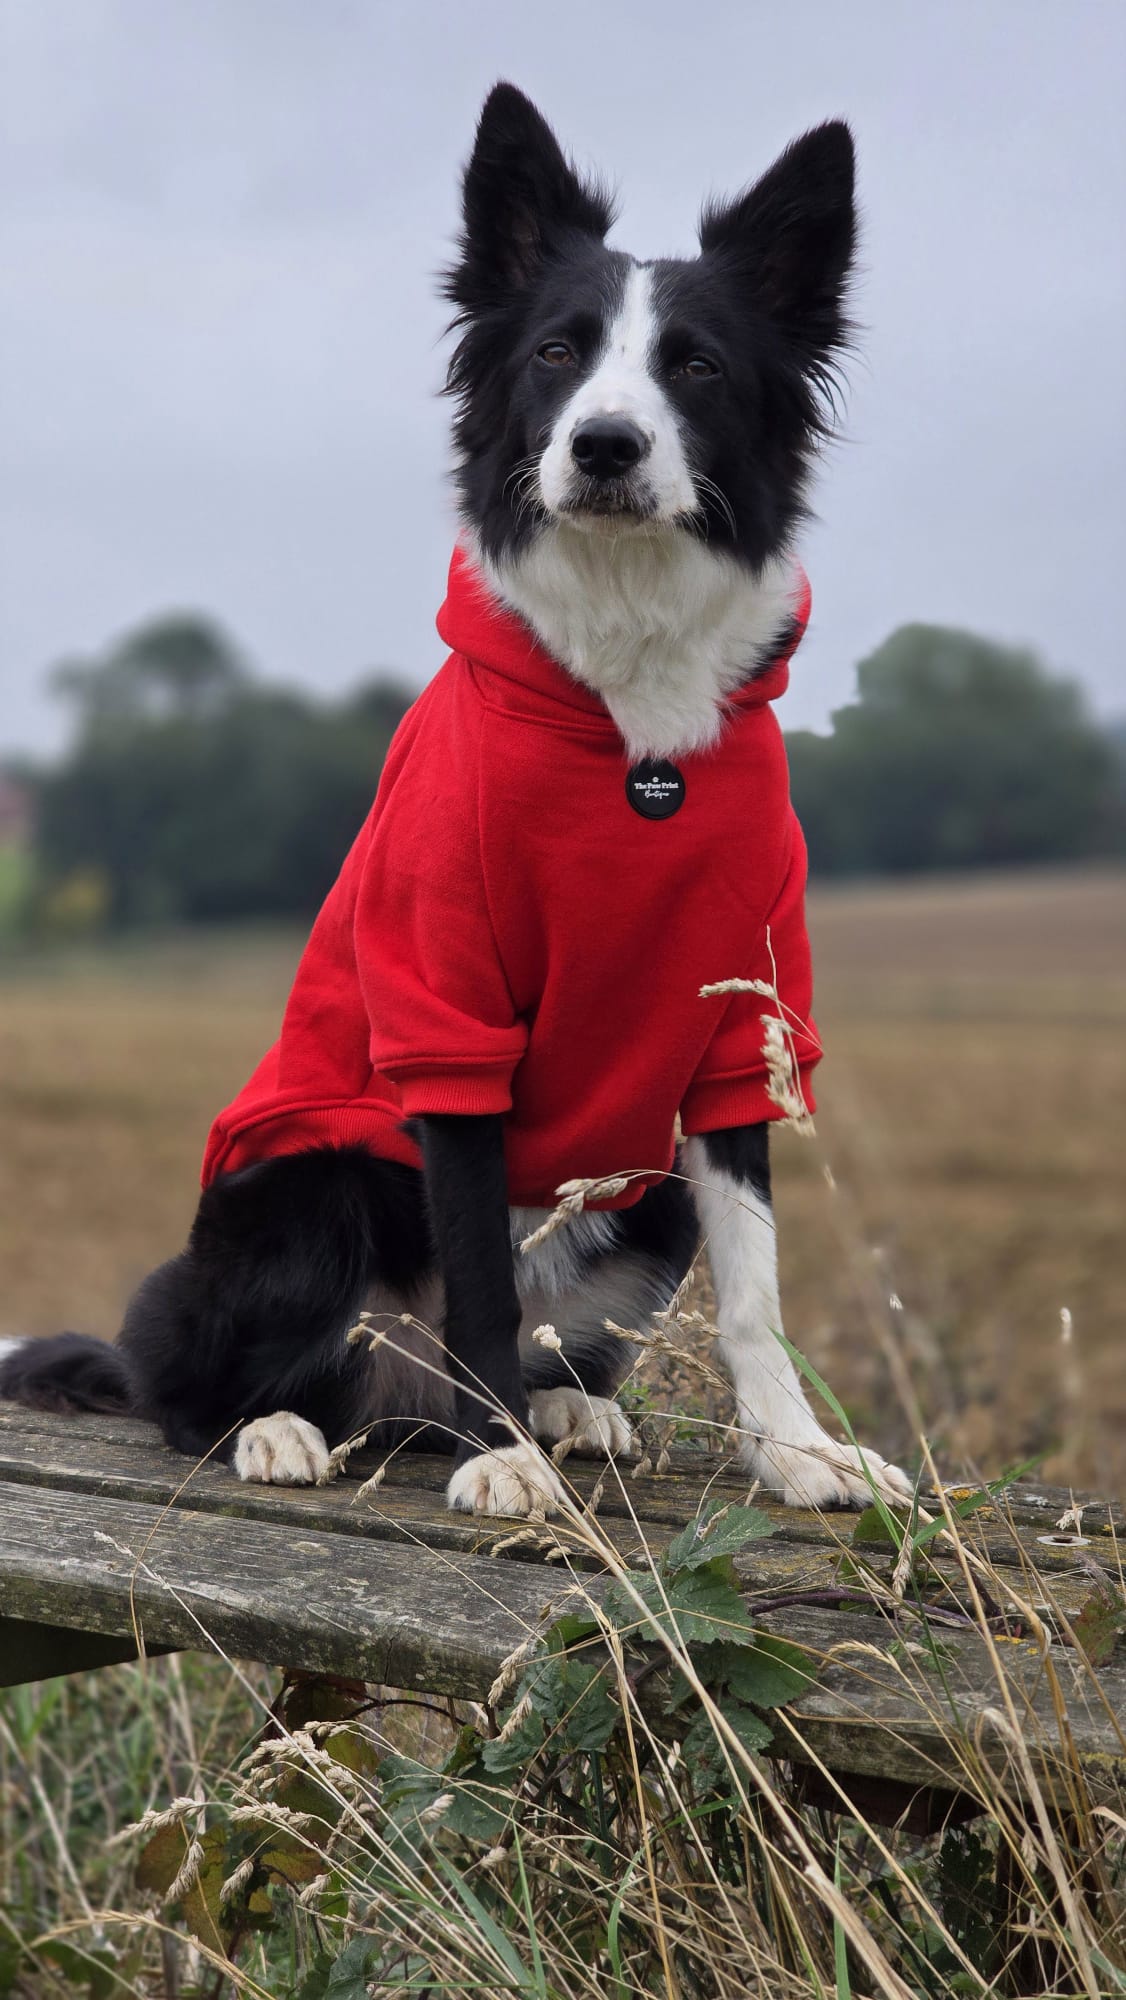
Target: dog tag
655 789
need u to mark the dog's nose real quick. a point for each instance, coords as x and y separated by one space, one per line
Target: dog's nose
607 447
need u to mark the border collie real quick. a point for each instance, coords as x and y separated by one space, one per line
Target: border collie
583 819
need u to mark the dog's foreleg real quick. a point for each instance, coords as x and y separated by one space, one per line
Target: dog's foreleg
783 1443
498 1469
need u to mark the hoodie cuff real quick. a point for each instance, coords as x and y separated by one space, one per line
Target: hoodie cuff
715 1104
461 1091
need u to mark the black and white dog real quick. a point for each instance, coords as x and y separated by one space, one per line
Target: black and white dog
634 443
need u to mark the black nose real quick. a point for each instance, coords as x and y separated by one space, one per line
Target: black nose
608 447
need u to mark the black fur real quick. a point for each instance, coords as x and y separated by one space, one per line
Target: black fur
69 1372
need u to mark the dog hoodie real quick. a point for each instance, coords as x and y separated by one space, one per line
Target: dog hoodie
523 926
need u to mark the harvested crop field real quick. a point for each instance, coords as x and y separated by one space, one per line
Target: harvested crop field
970 1122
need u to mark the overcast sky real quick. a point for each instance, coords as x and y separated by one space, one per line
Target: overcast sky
220 346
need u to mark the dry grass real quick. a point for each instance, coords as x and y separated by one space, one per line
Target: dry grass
971 1111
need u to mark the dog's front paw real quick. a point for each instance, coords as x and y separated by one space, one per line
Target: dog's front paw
591 1424
282 1450
819 1472
516 1479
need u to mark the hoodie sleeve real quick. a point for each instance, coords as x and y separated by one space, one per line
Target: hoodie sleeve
443 1026
731 1086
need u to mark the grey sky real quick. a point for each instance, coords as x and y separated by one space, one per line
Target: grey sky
219 344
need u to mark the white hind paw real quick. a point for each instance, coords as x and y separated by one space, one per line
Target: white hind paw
516 1479
590 1424
282 1450
819 1472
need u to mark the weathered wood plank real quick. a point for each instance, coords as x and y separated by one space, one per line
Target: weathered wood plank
290 1597
131 1463
1027 1503
926 1724
443 1621
421 1620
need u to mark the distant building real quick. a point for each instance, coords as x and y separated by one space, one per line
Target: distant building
16 812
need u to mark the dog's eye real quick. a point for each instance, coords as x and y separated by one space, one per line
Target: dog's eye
556 353
698 367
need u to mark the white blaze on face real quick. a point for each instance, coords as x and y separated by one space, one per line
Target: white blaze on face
623 385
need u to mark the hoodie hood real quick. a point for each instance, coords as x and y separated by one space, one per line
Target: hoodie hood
474 623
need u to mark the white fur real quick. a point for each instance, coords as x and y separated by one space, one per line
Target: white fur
622 384
783 1445
658 624
8 1345
592 1424
516 1479
555 1266
282 1450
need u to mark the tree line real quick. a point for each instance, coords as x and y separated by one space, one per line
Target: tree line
194 791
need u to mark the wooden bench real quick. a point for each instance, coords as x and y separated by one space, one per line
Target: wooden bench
109 1541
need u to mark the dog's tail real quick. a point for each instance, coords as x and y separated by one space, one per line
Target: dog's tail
69 1372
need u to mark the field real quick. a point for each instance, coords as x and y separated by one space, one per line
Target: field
970 1122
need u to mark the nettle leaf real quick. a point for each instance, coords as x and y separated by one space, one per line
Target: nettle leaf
348 1977
315 1983
705 1754
871 1530
697 1604
717 1531
763 1672
518 1747
770 1672
574 1698
1097 1625
570 1630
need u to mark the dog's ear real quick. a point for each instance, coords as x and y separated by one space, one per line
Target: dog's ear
792 236
519 196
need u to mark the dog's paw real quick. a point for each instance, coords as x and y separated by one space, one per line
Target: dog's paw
516 1479
819 1472
282 1450
591 1424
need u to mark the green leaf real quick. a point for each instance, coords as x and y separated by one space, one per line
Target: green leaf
872 1529
516 1749
769 1672
695 1604
348 1977
762 1671
718 1530
708 1757
315 1982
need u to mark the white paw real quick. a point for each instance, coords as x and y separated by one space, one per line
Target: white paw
819 1472
594 1424
282 1450
516 1479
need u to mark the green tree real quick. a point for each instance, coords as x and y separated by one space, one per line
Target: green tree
957 753
178 665
199 793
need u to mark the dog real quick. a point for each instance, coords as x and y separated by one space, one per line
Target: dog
582 821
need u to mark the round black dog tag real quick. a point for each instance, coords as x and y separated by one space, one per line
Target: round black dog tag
655 789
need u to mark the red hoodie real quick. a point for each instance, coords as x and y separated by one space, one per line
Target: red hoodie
510 934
